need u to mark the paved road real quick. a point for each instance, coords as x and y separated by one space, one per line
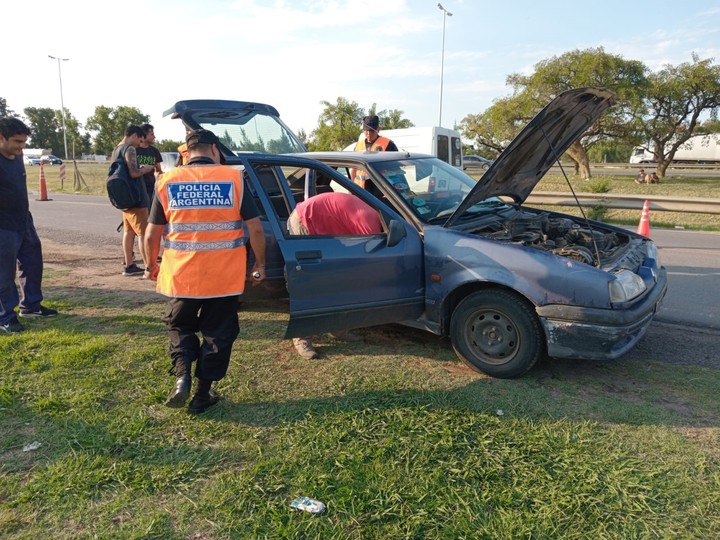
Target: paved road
693 263
692 258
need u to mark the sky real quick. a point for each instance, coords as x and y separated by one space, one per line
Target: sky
294 54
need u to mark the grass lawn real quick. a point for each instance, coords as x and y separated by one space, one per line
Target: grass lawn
394 435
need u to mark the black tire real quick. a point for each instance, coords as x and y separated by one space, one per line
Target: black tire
497 333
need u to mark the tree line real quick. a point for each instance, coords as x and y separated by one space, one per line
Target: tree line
658 111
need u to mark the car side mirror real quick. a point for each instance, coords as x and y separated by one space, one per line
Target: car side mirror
396 232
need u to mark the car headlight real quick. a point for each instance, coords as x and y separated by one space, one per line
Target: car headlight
626 286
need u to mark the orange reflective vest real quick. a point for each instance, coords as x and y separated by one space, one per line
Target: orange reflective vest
380 145
183 151
205 254
360 177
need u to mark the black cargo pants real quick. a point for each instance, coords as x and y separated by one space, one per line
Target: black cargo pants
217 320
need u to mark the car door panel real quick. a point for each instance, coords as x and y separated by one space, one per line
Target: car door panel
339 282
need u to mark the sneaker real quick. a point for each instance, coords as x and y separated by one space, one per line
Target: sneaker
158 260
305 349
42 311
133 270
12 327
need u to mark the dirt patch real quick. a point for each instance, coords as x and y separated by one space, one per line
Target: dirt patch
81 266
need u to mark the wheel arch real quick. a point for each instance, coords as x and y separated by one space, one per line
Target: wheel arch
459 294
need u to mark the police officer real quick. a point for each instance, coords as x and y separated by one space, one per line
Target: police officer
202 209
372 142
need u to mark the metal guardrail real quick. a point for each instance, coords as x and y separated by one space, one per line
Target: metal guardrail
620 165
662 203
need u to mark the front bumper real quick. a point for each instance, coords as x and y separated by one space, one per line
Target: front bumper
599 334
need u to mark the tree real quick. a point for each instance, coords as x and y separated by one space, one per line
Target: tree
109 123
710 126
393 119
4 111
168 145
45 127
338 125
677 97
78 143
47 132
496 128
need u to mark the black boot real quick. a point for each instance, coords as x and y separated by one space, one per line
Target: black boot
180 392
204 398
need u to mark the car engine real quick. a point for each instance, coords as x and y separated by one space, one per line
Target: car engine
560 235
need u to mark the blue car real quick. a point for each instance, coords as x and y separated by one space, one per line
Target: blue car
506 283
52 160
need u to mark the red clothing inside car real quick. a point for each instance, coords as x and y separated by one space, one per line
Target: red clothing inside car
338 213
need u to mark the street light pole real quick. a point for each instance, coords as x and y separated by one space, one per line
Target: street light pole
62 104
446 14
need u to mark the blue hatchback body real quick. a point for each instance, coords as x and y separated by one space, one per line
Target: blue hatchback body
507 283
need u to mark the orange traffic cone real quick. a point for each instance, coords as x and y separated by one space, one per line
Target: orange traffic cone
43 186
644 225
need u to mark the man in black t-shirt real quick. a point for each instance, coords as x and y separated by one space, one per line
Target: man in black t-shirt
20 248
147 154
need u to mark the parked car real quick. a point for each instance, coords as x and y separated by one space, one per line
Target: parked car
51 160
508 284
476 162
31 160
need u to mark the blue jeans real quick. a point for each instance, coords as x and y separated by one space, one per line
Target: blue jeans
21 255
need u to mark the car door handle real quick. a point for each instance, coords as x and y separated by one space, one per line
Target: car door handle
308 255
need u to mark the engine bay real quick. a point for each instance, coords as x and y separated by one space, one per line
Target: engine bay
563 236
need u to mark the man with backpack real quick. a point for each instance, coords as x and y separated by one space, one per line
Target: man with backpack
134 219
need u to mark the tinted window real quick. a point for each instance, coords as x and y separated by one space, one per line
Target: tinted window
443 148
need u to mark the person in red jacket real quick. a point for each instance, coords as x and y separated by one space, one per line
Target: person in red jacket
332 214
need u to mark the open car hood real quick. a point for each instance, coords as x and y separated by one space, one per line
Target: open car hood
519 168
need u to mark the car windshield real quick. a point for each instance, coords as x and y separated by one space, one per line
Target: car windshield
249 131
430 187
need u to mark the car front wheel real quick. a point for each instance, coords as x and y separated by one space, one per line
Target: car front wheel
496 333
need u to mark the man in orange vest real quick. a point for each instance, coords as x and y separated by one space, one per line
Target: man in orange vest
182 158
201 208
372 142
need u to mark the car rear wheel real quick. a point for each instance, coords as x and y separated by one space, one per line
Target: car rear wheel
496 333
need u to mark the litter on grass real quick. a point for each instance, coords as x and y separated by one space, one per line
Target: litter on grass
308 505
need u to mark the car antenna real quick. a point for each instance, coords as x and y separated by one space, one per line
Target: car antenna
587 221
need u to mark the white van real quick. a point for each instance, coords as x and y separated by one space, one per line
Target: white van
443 143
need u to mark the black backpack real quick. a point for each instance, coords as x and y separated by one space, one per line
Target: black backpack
124 191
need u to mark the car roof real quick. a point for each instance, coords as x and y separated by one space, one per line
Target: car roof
368 157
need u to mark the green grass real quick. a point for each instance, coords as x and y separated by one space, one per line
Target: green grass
394 435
